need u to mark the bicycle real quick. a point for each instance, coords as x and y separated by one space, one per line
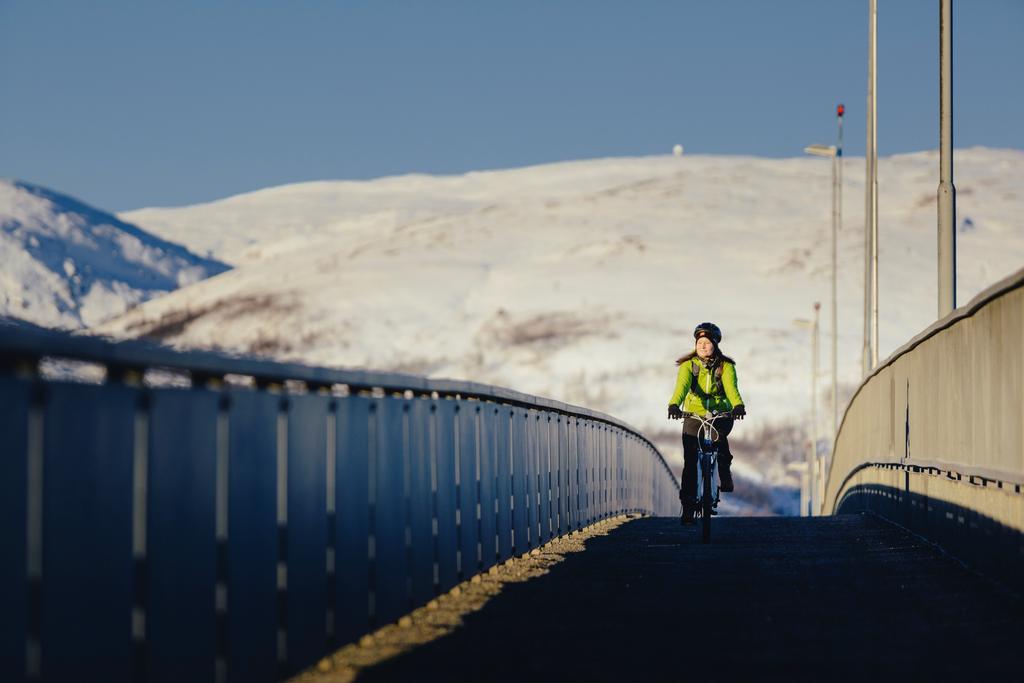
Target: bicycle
708 481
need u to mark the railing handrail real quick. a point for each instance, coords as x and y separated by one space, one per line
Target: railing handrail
1008 481
1007 284
20 340
1000 288
282 513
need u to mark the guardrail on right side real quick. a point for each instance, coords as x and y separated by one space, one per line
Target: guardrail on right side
934 437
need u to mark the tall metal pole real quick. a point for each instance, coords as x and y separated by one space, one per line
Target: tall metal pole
813 464
837 213
805 493
868 353
874 184
947 191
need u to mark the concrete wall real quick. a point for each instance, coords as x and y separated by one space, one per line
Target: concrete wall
935 436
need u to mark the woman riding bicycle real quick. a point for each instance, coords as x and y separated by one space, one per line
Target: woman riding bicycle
706 382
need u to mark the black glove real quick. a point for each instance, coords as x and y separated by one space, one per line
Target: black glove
674 413
739 412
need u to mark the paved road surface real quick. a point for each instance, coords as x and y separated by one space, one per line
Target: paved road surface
845 598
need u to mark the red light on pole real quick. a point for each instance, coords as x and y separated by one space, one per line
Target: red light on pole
840 110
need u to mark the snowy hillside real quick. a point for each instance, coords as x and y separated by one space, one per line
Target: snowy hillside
582 281
66 264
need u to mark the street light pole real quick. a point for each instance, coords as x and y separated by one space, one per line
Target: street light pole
805 483
812 446
837 224
834 153
869 354
815 465
947 191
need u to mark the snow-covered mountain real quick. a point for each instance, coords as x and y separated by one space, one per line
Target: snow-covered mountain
66 264
582 281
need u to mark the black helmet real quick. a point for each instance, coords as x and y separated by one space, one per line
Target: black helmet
709 330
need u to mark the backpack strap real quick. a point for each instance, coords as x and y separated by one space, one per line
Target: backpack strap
695 371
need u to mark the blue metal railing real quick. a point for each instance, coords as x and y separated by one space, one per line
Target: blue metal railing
243 525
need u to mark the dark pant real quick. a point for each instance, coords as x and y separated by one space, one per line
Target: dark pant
690 428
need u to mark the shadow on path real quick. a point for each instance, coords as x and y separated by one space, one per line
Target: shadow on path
840 597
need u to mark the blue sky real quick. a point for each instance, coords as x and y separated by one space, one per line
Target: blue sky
141 103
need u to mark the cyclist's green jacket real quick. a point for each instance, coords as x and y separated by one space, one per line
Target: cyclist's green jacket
704 392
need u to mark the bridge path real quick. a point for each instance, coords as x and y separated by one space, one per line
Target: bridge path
842 597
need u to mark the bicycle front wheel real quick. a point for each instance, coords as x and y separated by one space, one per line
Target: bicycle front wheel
706 503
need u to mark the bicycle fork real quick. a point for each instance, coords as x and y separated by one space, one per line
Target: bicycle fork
707 462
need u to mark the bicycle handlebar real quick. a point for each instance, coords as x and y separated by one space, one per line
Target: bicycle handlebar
707 422
710 417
